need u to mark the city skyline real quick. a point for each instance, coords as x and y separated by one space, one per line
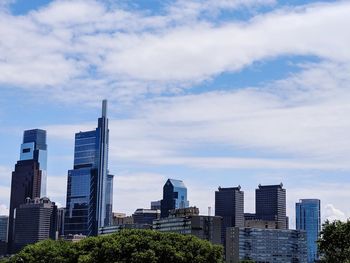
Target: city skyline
248 110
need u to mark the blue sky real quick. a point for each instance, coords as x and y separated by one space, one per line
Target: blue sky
213 92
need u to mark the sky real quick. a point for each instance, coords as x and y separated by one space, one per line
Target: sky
212 92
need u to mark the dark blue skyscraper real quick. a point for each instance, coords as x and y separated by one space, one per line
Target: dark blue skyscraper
229 204
270 204
174 196
90 187
308 218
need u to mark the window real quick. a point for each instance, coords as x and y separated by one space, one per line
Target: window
26 150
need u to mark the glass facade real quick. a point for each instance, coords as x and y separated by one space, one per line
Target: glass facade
90 187
265 245
4 220
174 196
308 218
34 147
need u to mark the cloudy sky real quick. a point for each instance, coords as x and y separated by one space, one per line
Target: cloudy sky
213 92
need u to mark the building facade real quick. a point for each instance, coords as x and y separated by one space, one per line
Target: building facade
270 204
29 177
145 216
122 219
187 221
174 196
265 245
155 205
4 221
229 204
90 186
36 220
308 218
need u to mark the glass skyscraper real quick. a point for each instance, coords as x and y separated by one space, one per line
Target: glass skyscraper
308 218
174 196
90 187
29 176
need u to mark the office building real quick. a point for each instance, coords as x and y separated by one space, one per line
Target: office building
265 245
270 204
187 221
229 204
29 177
114 229
121 219
308 218
155 205
90 187
145 216
36 220
4 220
174 196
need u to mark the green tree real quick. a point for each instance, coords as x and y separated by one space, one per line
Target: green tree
334 243
134 246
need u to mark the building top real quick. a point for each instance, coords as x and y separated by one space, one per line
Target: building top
238 188
189 211
146 211
270 186
36 135
305 201
104 108
177 183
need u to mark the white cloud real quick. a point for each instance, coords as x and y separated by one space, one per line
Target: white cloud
127 53
331 213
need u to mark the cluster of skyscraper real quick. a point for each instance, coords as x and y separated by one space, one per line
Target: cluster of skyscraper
263 236
33 217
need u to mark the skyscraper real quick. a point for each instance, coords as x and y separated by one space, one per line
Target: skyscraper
308 218
174 196
229 204
36 220
29 176
90 187
270 204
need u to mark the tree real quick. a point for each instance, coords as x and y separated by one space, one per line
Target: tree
134 246
334 243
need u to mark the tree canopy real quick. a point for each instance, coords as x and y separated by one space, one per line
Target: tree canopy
334 243
132 246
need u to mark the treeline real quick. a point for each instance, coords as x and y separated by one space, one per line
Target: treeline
132 246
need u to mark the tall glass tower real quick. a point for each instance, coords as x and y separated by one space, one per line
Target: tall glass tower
29 176
308 218
174 196
90 187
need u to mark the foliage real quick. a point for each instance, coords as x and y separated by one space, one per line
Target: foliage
134 246
334 243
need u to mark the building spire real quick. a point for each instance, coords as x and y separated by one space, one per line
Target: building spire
104 108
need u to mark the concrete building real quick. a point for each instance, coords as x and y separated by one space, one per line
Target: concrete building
35 220
113 229
121 219
188 222
145 216
265 245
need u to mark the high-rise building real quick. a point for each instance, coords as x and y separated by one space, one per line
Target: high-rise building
4 220
270 204
29 176
229 204
308 218
36 220
90 187
174 196
60 222
265 245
